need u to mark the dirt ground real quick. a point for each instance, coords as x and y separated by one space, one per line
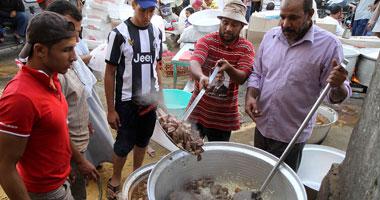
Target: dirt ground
338 136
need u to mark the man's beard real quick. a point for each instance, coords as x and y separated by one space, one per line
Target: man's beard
233 37
298 34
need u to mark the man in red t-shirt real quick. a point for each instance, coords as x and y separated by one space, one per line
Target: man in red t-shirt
216 116
34 138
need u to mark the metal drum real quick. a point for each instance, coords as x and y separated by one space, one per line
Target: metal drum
233 162
351 54
366 65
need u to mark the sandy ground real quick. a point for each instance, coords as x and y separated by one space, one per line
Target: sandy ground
338 136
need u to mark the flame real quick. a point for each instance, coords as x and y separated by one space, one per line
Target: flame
354 78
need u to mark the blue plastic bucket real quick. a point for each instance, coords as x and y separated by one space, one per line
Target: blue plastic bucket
176 101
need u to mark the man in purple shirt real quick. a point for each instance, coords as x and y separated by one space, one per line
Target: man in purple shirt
293 64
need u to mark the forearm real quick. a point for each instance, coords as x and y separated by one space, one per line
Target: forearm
86 58
236 75
161 99
338 94
12 149
109 87
76 155
12 183
252 93
195 70
375 15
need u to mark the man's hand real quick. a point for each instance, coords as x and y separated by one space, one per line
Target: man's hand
91 129
223 64
251 108
113 120
337 76
372 8
251 104
369 27
86 58
13 14
72 176
88 170
204 83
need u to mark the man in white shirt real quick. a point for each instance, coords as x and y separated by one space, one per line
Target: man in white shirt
362 16
336 17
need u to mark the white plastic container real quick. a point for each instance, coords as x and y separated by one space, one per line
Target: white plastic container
315 163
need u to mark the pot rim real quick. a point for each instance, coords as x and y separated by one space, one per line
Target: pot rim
266 157
330 110
137 175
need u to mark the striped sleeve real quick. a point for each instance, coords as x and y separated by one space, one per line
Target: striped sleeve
201 50
245 62
115 40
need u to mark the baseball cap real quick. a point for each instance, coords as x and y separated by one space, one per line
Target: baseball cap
40 1
45 27
147 3
234 9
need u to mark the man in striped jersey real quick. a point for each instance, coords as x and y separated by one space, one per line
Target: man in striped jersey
134 48
216 116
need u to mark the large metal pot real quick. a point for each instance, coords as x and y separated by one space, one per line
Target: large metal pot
233 162
351 54
205 21
316 162
134 179
320 132
366 66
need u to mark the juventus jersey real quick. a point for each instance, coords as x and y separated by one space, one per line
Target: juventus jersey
135 51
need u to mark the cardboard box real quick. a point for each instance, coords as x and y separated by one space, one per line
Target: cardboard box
258 22
326 25
255 37
258 27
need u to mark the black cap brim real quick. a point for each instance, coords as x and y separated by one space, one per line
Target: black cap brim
25 51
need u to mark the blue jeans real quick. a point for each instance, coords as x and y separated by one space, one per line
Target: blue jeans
359 27
21 21
248 13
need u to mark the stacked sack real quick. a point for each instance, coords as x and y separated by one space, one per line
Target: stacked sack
96 22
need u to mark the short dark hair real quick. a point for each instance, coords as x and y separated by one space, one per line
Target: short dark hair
307 5
42 5
270 6
47 44
335 9
191 10
64 7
